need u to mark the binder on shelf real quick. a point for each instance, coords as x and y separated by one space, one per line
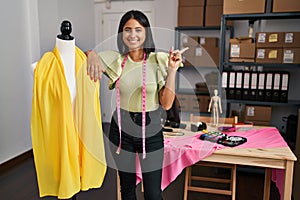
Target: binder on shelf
253 85
261 86
225 82
284 87
246 86
269 86
276 86
238 85
231 85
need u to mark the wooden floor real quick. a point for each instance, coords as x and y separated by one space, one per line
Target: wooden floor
18 182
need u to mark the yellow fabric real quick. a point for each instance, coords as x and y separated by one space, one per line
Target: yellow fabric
68 146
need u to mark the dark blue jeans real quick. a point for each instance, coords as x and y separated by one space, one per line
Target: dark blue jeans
131 146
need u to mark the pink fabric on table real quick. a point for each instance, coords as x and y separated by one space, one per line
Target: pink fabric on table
270 135
183 151
278 178
179 153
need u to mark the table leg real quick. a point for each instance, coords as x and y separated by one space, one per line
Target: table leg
118 187
187 182
233 182
267 185
288 180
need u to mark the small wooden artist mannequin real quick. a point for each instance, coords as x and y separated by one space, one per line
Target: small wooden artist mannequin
215 102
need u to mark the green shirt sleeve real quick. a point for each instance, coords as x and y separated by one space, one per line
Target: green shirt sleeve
111 61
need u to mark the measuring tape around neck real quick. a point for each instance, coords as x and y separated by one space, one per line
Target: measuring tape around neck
143 106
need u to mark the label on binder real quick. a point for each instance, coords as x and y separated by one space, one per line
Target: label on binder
224 79
261 81
285 82
254 81
246 80
276 81
269 81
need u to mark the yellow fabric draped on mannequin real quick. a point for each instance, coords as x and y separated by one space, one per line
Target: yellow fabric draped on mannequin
67 142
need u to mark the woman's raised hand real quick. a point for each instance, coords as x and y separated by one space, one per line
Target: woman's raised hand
94 66
176 58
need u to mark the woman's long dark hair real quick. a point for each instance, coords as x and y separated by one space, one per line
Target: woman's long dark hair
149 45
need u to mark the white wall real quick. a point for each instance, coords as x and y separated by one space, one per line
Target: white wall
28 30
15 78
79 13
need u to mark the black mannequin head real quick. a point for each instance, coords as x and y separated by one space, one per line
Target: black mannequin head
66 29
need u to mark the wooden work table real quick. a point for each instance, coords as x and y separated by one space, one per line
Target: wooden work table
269 158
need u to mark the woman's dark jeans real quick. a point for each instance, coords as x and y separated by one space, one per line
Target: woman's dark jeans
131 147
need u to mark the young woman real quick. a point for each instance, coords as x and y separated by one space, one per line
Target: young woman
144 81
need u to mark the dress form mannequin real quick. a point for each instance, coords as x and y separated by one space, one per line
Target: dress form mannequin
65 44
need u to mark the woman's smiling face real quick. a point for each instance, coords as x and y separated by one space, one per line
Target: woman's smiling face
134 35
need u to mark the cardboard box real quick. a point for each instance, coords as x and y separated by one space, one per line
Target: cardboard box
286 6
269 39
190 15
242 49
199 103
193 103
203 101
189 41
291 55
213 15
259 115
214 2
191 2
211 46
213 12
244 6
201 88
201 56
269 55
208 42
291 39
208 57
206 53
184 101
